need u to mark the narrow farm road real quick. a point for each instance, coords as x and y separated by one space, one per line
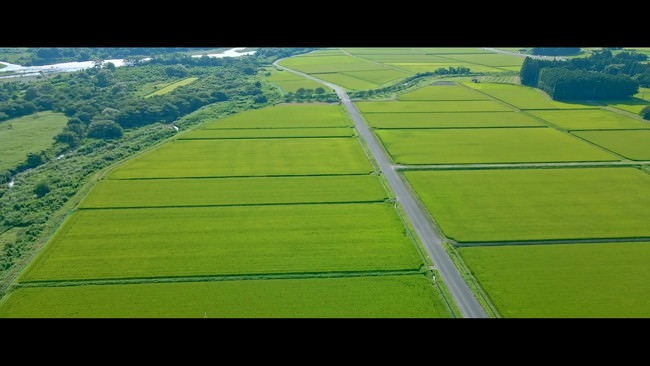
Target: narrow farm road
461 293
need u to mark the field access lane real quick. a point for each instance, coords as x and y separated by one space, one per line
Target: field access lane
461 293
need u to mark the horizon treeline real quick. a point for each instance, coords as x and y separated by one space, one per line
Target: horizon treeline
600 76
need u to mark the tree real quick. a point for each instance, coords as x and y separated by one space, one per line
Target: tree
104 129
176 71
103 78
645 113
41 189
34 160
68 137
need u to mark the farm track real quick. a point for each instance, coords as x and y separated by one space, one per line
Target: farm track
551 241
462 295
587 164
233 277
231 205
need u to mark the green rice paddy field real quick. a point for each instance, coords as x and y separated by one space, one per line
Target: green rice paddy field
430 59
455 119
632 144
432 106
113 193
488 145
592 280
589 119
497 205
403 296
443 92
280 206
289 82
286 116
268 133
586 228
523 97
248 157
369 68
209 241
272 223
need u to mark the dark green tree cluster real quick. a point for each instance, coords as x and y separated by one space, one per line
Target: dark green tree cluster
556 51
311 95
645 113
85 95
564 84
603 75
452 70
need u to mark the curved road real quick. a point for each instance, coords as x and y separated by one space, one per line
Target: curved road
462 295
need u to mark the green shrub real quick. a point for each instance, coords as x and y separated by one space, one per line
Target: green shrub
645 112
41 189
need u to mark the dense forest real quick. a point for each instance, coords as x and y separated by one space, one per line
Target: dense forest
113 113
601 76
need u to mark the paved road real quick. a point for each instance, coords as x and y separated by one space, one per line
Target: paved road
462 295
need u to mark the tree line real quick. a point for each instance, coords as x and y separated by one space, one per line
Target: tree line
601 76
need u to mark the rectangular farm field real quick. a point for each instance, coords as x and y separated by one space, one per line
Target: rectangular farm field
450 120
399 296
443 92
536 204
524 97
233 240
248 157
329 63
234 191
286 116
389 58
346 80
487 145
591 280
255 133
418 67
589 119
432 106
489 59
632 144
378 76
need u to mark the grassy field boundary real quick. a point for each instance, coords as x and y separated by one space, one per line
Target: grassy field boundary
430 266
552 241
472 282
